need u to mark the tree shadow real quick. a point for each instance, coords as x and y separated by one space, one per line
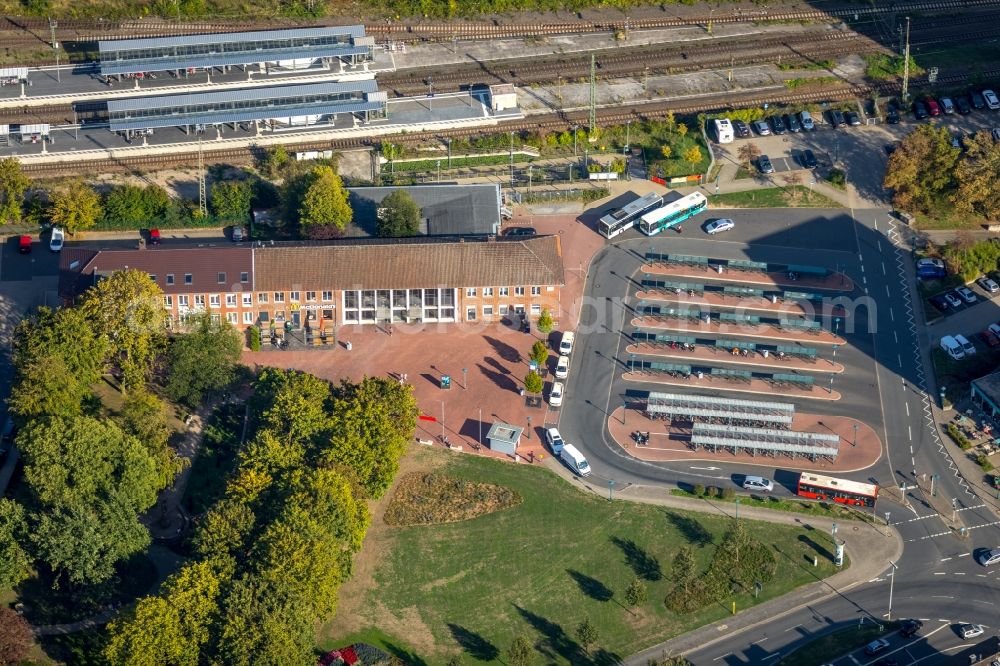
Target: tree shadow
592 587
822 551
501 380
404 656
556 643
473 644
692 531
504 350
642 563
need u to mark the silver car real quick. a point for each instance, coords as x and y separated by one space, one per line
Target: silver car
989 557
718 226
758 483
971 630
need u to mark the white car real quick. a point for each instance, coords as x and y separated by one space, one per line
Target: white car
562 367
967 294
554 440
989 558
992 101
718 226
758 483
953 300
988 284
556 394
971 630
56 242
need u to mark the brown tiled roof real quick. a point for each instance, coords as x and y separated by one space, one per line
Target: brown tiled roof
411 265
77 267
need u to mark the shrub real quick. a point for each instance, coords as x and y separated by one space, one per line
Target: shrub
595 194
838 178
984 462
711 491
728 493
254 342
960 439
698 489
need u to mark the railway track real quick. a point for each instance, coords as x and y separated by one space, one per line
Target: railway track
90 30
549 122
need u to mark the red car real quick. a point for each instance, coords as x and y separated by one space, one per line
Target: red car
154 236
24 244
932 107
989 338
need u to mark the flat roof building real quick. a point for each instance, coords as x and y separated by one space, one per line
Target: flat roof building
190 52
289 104
321 285
985 393
445 210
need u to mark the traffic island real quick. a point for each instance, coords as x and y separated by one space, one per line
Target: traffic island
859 444
716 327
831 281
713 383
717 300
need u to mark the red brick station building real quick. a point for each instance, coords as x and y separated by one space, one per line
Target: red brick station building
318 286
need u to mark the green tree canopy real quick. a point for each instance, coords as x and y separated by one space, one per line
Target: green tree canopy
13 185
294 404
545 322
398 215
533 382
325 201
231 200
132 206
264 623
520 651
922 169
75 207
127 310
586 633
978 177
539 352
202 360
15 562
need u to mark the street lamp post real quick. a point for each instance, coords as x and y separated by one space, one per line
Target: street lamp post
465 378
449 153
611 489
892 579
855 442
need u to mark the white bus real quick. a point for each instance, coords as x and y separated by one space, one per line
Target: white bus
672 214
622 219
723 130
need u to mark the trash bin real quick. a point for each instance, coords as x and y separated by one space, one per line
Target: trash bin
348 346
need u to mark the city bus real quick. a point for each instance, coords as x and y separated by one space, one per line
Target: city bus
842 491
672 214
622 219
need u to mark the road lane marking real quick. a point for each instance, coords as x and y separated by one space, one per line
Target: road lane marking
884 273
728 654
795 627
909 431
946 559
891 316
907 405
938 573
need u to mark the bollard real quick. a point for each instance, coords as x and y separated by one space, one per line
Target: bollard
815 561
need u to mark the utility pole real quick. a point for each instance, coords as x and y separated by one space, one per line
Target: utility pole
201 181
892 579
906 63
55 46
593 93
512 159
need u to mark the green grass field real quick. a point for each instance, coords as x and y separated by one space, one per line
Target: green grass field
538 569
795 196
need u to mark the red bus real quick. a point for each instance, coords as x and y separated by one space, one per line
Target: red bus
827 488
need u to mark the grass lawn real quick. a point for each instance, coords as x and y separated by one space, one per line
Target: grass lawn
837 643
810 507
540 568
955 376
796 196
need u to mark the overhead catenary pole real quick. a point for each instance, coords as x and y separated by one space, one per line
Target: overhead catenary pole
593 93
201 180
55 46
906 63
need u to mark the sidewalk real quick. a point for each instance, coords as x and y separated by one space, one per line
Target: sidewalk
869 551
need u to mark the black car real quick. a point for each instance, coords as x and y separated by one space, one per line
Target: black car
741 129
977 99
919 110
764 164
514 232
939 303
777 126
837 118
910 627
853 119
792 123
808 159
963 106
892 114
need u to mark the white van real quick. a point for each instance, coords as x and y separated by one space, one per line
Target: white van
952 348
967 346
566 344
724 130
575 460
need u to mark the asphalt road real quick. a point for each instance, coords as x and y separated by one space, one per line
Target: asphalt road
886 385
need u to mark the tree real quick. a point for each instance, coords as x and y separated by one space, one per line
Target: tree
533 382
325 201
144 416
75 207
274 161
545 322
292 404
692 156
539 353
13 185
684 568
171 628
16 637
666 151
390 152
635 593
398 215
231 200
748 152
263 623
978 174
132 206
586 633
15 563
57 358
202 361
127 310
682 130
922 169
519 652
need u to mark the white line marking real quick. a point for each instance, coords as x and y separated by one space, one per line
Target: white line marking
883 270
907 405
891 315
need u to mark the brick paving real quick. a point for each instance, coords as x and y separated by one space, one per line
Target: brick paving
670 443
711 384
716 300
715 328
833 282
711 354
